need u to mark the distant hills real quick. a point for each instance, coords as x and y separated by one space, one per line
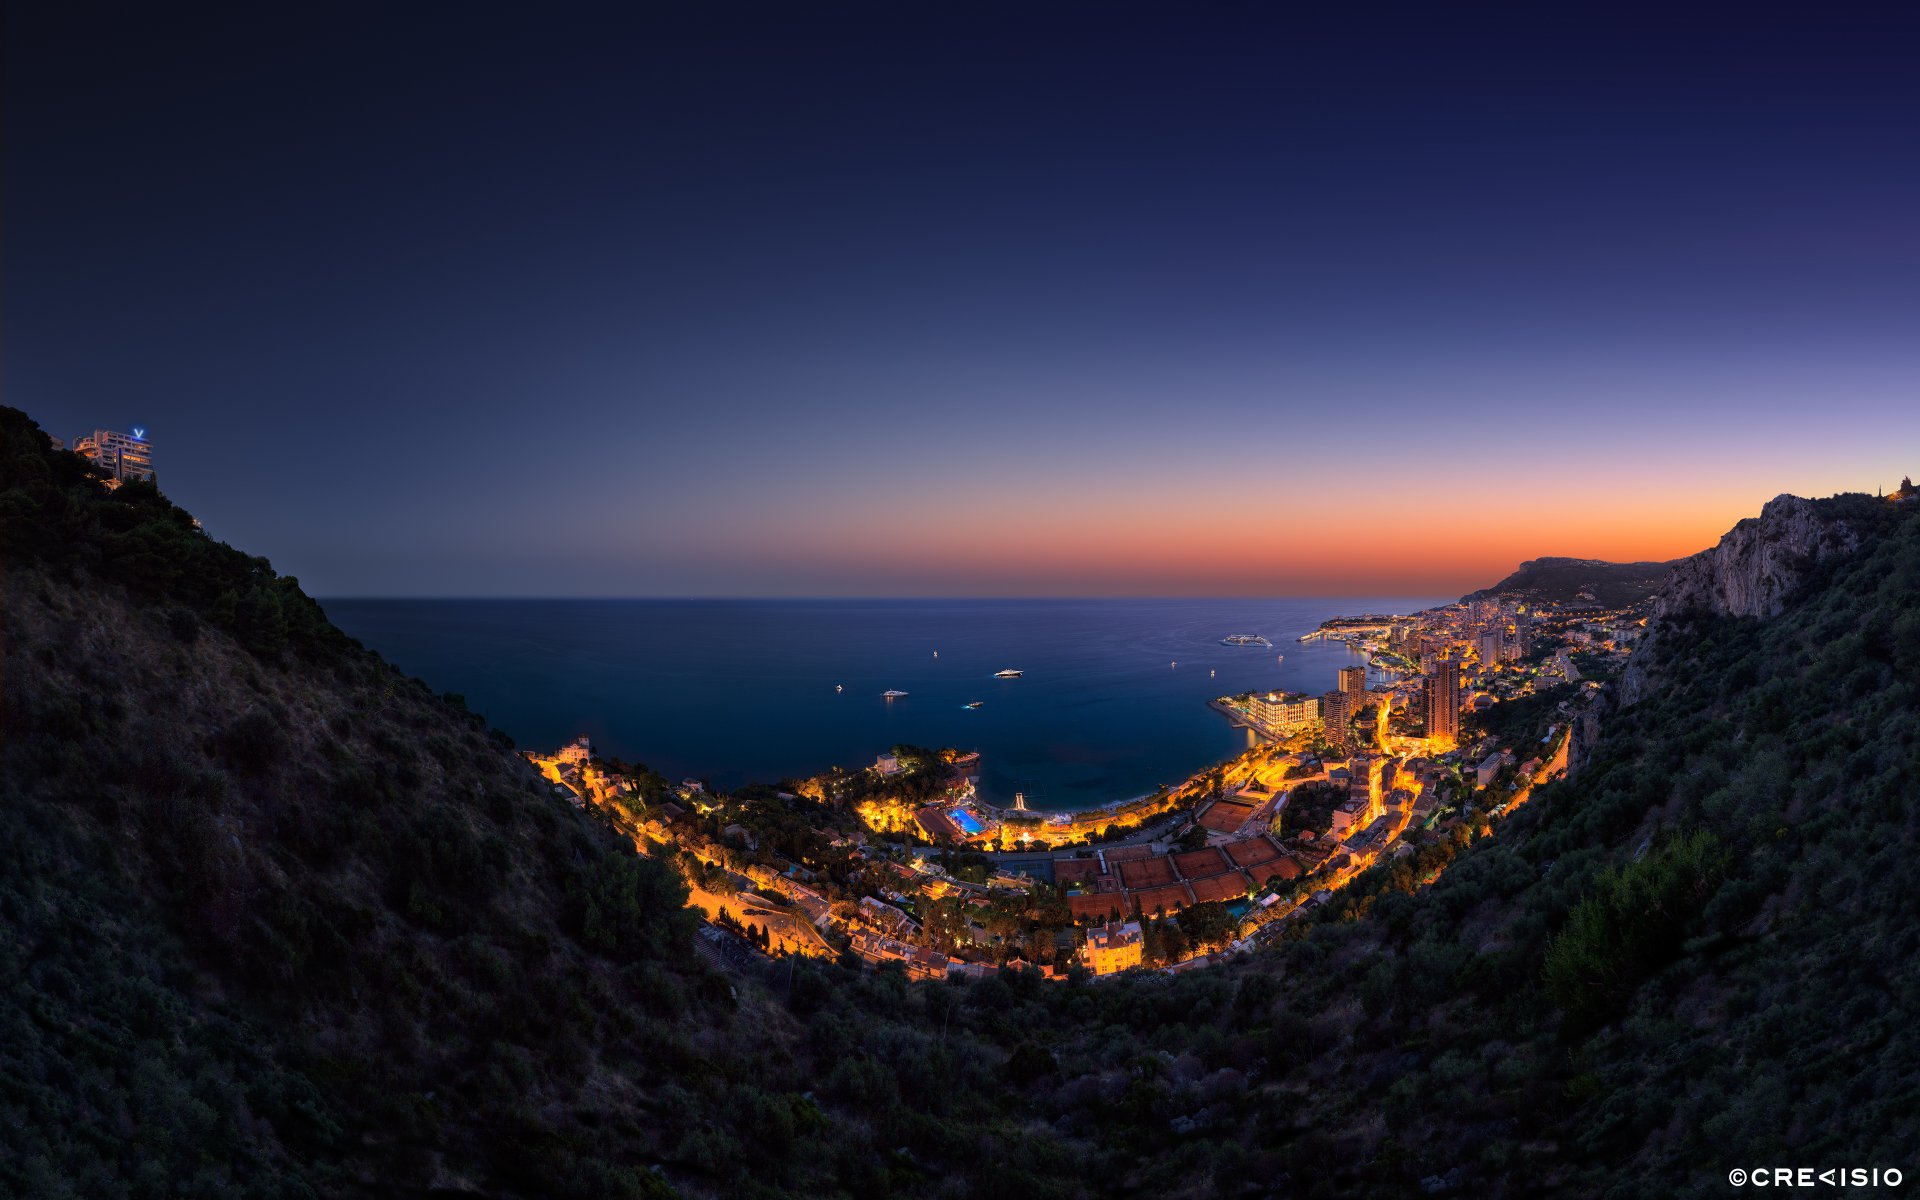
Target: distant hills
1571 580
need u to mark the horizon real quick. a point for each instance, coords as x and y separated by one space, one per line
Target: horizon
997 303
869 599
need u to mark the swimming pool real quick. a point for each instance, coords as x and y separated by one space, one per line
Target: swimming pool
968 823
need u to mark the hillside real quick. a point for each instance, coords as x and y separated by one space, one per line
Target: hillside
1577 580
276 920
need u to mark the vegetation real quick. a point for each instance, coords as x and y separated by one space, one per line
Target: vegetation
275 920
1564 580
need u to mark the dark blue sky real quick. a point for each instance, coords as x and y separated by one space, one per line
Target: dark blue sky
890 299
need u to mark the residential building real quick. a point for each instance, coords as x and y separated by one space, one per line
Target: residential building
1283 713
1348 816
1353 681
1488 767
1442 695
1363 785
1491 647
1112 948
1336 710
124 456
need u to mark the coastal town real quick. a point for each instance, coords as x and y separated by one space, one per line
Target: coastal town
1444 722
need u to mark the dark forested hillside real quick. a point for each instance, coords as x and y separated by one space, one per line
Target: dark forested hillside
276 920
1571 580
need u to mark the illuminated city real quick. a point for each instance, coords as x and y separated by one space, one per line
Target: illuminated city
859 601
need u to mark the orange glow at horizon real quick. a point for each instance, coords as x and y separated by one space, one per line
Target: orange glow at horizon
1214 545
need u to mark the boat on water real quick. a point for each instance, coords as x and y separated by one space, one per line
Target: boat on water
838 687
893 694
972 704
1009 673
1245 639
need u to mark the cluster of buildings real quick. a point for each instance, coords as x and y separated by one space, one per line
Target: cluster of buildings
122 457
926 964
1396 756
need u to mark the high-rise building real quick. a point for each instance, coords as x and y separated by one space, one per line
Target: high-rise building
1353 681
1491 647
1336 710
1442 693
1400 638
124 456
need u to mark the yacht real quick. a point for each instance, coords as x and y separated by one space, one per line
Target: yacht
973 704
1009 673
892 694
1245 639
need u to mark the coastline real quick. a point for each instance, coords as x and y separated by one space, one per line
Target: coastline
737 692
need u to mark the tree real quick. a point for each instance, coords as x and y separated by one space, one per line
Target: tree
1208 924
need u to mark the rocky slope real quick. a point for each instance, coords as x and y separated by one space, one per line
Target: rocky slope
1761 560
1752 571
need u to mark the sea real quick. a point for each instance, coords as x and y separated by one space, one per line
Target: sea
1112 702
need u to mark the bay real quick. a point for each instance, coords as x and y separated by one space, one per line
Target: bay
736 691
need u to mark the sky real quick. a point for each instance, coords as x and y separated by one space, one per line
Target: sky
982 299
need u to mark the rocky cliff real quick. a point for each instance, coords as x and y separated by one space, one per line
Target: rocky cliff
1753 571
1760 561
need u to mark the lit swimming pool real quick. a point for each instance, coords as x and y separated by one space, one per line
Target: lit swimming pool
968 823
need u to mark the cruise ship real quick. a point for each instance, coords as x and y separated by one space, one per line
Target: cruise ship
1245 639
1009 673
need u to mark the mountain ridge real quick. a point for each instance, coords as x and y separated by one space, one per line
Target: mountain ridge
1570 580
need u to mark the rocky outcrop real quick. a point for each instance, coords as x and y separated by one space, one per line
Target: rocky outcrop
1758 563
1752 572
1582 736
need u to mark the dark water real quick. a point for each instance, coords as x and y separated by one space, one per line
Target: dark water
742 690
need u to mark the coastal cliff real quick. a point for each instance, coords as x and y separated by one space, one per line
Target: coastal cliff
1753 571
1760 561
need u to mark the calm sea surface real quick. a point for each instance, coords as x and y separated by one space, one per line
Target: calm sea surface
742 690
